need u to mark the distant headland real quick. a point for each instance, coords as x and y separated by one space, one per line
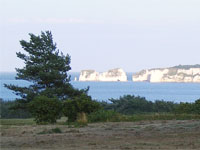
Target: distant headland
181 73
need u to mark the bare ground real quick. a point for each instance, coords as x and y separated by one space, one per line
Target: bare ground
143 135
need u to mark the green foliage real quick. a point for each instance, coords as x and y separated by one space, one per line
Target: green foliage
45 110
163 106
187 108
112 116
46 68
197 106
72 107
130 105
6 110
137 105
105 116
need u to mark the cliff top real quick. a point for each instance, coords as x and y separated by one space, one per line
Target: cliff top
177 67
187 66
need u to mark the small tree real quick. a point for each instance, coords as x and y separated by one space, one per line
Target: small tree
77 105
45 110
45 68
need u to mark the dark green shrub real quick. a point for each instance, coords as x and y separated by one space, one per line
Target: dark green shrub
7 111
45 110
197 106
105 116
160 106
70 109
80 104
187 108
130 104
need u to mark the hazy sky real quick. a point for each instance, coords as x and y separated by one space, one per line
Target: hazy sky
105 34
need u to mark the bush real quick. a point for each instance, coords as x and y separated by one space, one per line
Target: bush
45 110
160 106
197 106
105 116
80 104
130 104
7 111
185 108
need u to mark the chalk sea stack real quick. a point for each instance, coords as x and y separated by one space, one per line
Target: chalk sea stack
111 75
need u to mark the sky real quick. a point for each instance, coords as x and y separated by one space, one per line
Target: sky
105 34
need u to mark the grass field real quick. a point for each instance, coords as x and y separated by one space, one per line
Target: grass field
29 121
121 118
140 132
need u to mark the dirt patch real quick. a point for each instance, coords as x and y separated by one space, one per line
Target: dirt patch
116 136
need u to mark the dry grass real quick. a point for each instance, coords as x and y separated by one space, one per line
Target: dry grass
143 135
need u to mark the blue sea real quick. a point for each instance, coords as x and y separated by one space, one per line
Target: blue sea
103 91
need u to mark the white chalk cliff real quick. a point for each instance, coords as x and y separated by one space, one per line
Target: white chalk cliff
187 73
111 75
89 75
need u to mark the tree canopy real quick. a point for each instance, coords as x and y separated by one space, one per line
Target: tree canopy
45 68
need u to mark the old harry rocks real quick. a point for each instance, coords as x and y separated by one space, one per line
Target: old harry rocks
111 75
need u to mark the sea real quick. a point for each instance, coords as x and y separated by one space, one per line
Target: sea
103 91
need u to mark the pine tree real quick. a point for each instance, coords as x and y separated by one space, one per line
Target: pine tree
45 68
